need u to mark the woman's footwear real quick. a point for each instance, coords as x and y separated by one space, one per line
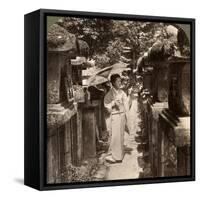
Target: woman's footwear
110 159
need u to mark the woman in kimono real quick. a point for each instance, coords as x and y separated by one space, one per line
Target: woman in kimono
116 104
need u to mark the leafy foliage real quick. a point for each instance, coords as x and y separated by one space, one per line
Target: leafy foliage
107 38
96 32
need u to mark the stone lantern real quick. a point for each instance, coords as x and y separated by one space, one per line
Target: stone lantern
175 121
61 48
65 138
61 113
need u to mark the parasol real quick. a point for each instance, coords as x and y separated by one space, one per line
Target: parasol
104 74
96 80
116 68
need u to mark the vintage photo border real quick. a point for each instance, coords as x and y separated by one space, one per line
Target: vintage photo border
43 101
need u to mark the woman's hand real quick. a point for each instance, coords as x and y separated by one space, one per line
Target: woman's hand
118 103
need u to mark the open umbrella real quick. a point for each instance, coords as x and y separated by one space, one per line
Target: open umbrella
96 80
104 74
116 68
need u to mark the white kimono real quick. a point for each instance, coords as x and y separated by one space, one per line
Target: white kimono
116 121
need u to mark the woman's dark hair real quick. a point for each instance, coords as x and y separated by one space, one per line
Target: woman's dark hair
114 77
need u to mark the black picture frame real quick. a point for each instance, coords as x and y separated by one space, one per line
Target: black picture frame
35 99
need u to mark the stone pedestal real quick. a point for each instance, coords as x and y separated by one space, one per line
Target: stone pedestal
62 138
90 129
175 145
154 141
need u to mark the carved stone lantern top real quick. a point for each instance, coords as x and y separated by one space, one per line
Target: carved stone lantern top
59 39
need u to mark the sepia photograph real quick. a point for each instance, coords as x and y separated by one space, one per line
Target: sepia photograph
118 99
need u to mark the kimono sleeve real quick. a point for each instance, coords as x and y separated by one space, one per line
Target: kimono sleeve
108 102
125 102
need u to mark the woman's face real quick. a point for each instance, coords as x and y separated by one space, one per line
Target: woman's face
117 83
